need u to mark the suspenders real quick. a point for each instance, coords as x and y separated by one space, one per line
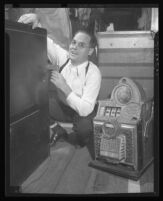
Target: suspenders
61 68
87 68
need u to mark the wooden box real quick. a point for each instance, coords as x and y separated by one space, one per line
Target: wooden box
129 54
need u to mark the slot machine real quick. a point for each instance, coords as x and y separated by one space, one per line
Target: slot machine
123 131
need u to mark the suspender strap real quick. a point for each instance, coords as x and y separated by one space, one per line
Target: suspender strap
86 70
61 68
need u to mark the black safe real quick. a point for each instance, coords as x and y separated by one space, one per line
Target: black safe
27 110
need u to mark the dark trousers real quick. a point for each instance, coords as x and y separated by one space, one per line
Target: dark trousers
82 126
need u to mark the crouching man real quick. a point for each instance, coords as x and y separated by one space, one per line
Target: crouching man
77 82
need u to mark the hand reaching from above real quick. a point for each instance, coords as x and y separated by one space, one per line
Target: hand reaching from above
30 18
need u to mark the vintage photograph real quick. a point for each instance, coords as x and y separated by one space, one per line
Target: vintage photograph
82 109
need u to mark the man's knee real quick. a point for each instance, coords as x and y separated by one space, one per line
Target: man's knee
84 127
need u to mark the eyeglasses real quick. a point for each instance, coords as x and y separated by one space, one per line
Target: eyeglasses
80 45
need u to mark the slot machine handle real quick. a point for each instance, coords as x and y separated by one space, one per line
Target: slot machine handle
148 121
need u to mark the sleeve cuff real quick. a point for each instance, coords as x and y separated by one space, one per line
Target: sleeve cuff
73 101
70 96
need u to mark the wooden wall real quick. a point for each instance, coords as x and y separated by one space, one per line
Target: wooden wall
129 54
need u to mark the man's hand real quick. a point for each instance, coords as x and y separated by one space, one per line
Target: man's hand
30 18
60 82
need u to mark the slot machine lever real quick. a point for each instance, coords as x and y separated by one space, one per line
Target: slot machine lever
148 121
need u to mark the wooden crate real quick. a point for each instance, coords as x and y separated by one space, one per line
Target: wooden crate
129 54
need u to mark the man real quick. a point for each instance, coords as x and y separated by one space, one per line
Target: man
78 82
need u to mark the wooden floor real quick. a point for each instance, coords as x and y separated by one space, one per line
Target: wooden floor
66 171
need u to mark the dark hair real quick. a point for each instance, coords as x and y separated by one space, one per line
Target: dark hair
93 40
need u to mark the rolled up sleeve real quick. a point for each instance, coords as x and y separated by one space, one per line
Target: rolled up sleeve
56 54
84 105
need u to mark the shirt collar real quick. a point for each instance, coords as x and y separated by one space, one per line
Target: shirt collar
80 66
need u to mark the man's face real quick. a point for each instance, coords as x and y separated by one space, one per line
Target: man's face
80 48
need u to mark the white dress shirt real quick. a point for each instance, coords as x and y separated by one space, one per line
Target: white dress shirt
85 87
